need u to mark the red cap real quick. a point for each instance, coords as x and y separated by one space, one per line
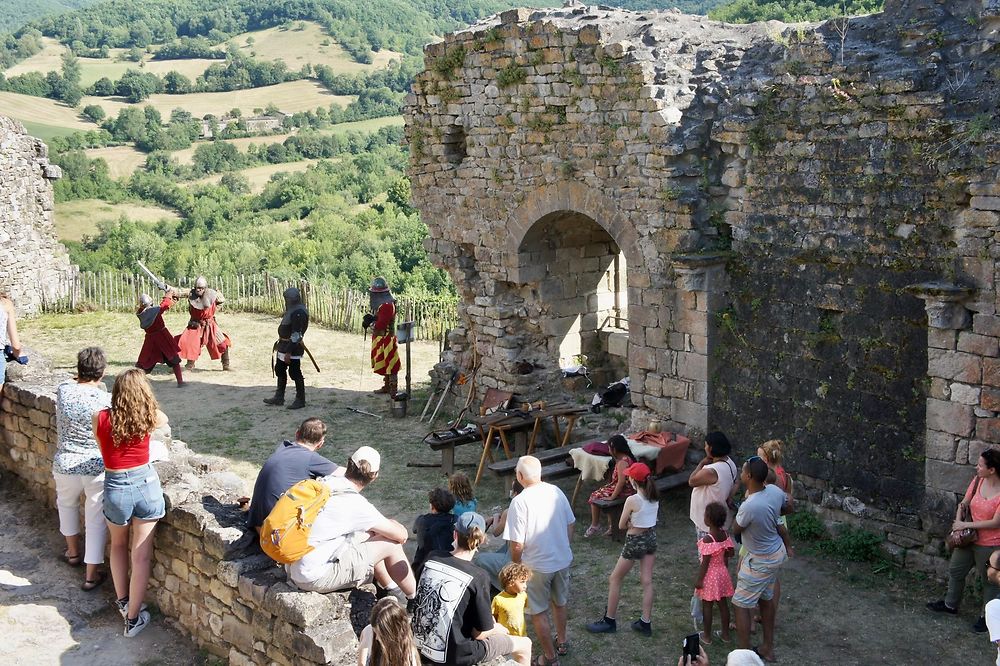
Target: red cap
638 471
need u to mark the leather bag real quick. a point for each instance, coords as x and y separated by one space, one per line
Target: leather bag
966 537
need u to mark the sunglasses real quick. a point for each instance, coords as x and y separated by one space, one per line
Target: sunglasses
752 458
989 565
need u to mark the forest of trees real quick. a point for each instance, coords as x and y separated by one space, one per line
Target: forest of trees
792 11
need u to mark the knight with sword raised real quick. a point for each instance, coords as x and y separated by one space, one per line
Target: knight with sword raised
159 346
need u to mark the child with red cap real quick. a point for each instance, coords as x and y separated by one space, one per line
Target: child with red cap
639 520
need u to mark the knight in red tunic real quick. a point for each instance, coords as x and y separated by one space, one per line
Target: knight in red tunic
159 346
202 330
385 348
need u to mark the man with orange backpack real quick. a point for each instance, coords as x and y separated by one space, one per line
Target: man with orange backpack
290 463
350 542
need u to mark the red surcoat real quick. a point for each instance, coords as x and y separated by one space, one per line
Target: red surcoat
159 346
202 331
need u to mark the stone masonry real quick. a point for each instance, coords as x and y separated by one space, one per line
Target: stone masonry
795 225
31 258
209 577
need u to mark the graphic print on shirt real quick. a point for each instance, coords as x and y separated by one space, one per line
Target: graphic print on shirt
439 593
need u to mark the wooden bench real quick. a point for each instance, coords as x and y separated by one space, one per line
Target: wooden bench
614 506
553 465
446 445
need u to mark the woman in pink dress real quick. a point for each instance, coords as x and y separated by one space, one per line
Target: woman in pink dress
714 585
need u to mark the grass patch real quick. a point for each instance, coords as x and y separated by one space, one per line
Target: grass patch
260 176
42 112
309 45
76 219
46 132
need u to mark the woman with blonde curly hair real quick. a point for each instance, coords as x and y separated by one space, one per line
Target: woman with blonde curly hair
133 498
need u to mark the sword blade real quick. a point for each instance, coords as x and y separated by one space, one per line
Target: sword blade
157 282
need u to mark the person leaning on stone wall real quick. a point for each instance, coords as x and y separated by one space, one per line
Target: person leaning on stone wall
8 332
77 465
982 499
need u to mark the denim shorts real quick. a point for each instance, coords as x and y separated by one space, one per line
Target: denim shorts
135 493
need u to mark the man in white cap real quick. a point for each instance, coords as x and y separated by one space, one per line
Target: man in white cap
353 543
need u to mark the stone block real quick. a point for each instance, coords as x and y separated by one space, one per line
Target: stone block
230 571
955 366
988 430
990 399
991 372
237 632
949 477
304 608
941 338
940 446
965 394
981 345
692 366
689 413
949 417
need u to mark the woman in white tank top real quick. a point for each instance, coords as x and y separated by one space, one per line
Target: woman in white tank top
8 332
639 520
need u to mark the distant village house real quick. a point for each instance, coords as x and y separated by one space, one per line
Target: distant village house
254 124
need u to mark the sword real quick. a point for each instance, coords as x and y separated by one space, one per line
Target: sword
157 282
310 356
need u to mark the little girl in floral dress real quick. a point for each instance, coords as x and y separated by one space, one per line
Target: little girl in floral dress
714 585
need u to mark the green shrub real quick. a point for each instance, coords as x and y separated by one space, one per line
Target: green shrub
855 544
511 75
806 526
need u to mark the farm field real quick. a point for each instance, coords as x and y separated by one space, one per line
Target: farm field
43 131
261 176
42 111
76 219
291 97
298 47
49 59
122 160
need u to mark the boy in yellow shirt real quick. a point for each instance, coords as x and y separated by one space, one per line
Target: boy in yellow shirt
508 606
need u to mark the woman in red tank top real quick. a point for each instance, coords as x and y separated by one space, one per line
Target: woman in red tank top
133 498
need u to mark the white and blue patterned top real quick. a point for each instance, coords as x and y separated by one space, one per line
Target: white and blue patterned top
77 452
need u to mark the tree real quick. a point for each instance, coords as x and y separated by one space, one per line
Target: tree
136 86
71 70
94 112
103 87
175 83
399 194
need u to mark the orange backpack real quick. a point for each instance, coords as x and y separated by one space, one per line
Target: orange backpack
284 536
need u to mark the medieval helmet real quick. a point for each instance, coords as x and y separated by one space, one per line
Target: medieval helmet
379 286
201 283
292 297
145 300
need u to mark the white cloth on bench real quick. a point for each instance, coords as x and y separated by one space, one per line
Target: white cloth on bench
592 468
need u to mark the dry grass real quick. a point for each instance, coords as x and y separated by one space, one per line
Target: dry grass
260 176
122 160
76 219
41 110
298 47
878 618
290 97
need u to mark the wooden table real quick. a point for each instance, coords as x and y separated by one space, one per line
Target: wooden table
556 411
501 423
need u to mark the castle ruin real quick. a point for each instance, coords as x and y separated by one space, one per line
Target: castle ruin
779 231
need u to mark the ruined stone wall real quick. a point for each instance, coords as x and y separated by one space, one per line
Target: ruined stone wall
31 259
808 215
209 577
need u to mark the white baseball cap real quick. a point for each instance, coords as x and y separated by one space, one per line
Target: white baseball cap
369 455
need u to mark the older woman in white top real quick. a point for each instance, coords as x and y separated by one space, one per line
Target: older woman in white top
8 333
78 467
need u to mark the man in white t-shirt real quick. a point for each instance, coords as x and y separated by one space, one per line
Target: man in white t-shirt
993 607
352 541
539 528
713 480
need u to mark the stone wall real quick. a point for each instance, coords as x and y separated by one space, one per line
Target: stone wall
782 197
209 577
31 259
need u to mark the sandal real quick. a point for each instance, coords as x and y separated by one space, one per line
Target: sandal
541 660
608 532
756 651
591 531
701 637
562 649
89 585
718 634
72 560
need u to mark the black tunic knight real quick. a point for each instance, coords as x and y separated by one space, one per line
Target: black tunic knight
289 349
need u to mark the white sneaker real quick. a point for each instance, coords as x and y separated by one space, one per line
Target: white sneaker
133 627
122 606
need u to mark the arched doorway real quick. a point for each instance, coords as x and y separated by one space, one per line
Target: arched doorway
577 277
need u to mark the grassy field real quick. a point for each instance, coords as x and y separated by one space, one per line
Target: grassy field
76 219
290 97
41 111
298 47
122 160
261 176
878 617
43 131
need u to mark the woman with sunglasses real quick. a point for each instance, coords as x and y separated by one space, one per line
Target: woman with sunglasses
982 498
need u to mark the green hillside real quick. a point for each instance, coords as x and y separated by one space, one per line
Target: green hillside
15 13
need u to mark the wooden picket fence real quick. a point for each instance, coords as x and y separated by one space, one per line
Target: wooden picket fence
337 308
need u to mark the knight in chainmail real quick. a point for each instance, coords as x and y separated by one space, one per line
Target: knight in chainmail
202 329
385 347
158 346
289 348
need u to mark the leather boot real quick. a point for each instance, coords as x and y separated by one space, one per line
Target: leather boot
225 360
385 386
393 385
278 399
300 397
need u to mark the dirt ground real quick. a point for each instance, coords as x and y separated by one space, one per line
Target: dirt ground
831 612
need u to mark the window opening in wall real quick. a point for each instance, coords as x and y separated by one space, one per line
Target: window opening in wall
454 140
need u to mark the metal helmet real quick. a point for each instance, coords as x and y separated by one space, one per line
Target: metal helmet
379 286
145 300
201 282
292 297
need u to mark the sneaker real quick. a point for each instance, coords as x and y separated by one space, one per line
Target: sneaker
980 626
940 606
122 606
644 628
603 626
133 627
